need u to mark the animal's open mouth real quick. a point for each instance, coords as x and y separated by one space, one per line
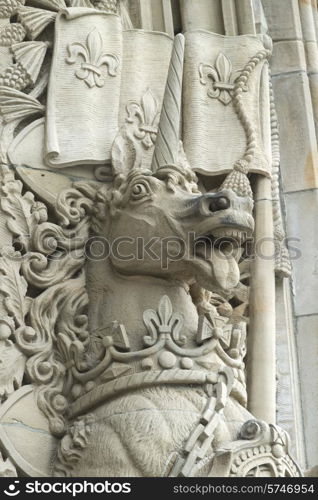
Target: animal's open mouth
223 240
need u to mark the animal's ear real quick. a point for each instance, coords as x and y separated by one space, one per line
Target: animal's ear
184 164
182 158
100 216
124 155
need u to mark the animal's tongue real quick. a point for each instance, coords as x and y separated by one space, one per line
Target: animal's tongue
225 268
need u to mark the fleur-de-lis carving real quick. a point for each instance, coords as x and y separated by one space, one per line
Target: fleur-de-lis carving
163 322
93 59
145 119
220 77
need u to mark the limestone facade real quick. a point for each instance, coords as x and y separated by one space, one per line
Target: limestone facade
158 259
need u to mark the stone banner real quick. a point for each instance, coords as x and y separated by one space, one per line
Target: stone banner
220 125
146 59
84 88
103 79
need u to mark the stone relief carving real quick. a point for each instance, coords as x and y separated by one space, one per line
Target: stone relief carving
261 451
163 341
93 59
72 446
222 78
7 469
144 118
34 20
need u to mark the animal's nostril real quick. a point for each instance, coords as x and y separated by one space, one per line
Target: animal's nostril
221 203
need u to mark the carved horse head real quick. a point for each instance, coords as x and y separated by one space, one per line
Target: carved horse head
160 225
163 225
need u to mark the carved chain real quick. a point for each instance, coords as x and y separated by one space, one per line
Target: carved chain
200 440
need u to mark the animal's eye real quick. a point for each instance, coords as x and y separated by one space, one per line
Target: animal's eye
139 190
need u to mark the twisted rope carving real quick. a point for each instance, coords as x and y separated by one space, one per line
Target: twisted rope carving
240 87
282 261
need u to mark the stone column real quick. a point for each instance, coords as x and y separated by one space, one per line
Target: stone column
289 412
152 15
261 368
308 12
229 17
245 16
233 17
291 27
162 16
262 331
202 14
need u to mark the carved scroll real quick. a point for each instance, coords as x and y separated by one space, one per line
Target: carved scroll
85 78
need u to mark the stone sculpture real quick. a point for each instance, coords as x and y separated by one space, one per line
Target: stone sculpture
123 275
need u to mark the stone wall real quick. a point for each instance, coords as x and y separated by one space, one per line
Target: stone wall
213 99
293 28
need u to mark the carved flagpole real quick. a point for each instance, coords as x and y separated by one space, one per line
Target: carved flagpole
262 332
261 366
238 19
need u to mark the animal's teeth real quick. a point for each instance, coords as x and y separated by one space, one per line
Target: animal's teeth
227 233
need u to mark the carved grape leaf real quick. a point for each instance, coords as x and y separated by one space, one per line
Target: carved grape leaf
15 105
35 20
124 155
12 365
52 4
81 3
24 213
13 287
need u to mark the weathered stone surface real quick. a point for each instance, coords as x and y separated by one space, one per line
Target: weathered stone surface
303 235
25 434
127 285
307 343
288 56
289 411
202 14
297 132
294 29
283 19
